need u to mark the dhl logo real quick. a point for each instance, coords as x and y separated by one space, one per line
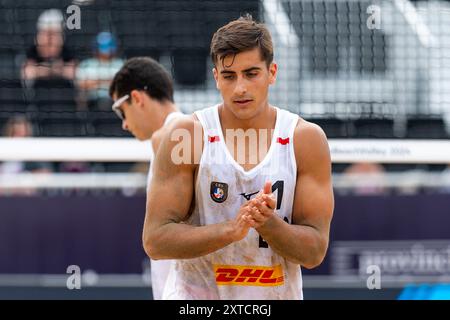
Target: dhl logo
249 275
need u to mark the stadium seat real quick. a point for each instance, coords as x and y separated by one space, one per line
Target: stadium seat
190 66
54 94
374 128
333 127
426 128
12 96
106 124
61 124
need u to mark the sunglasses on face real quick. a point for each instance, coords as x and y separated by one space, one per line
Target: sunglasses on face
116 107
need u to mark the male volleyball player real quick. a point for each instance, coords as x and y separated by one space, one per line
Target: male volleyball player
241 230
143 93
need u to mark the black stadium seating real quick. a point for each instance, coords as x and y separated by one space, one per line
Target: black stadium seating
426 127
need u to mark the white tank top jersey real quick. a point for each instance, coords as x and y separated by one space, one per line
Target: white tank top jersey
248 269
159 269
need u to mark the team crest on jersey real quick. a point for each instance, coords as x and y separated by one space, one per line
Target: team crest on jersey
219 191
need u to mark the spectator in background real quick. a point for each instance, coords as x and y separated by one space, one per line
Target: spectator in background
94 75
49 57
20 127
368 178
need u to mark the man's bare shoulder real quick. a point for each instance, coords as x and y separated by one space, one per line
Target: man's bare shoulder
182 139
157 137
183 122
310 143
309 129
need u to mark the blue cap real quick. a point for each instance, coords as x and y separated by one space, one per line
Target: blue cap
106 43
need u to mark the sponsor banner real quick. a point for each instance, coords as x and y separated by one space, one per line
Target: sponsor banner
389 151
394 258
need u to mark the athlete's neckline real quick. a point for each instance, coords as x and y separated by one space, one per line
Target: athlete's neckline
228 154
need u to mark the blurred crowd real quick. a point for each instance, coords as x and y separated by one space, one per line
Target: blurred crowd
49 61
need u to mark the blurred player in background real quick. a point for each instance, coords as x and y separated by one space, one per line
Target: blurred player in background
218 215
142 91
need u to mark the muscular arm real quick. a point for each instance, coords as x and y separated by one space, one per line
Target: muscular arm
305 241
165 236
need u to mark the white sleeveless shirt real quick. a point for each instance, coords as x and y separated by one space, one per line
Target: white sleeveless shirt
248 269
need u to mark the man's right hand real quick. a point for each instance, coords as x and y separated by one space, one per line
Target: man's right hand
241 224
